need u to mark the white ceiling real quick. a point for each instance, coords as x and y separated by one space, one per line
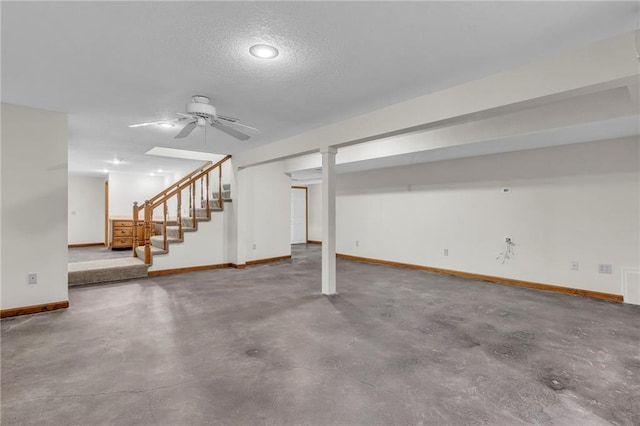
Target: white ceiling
111 64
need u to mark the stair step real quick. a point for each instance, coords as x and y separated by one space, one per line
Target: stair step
154 251
214 206
188 223
105 270
158 240
174 231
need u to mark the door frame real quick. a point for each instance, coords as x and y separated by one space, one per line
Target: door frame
306 210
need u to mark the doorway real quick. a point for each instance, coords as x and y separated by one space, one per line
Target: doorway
299 214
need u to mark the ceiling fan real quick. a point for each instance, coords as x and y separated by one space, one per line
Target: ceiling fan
199 113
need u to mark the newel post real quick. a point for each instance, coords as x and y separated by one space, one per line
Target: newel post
136 210
147 231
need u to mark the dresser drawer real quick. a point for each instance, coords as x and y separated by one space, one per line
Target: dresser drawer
122 241
122 232
122 223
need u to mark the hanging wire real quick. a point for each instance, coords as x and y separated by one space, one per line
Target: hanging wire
508 251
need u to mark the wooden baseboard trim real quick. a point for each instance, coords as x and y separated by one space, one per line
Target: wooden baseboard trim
85 245
187 269
314 242
238 266
270 259
33 309
490 278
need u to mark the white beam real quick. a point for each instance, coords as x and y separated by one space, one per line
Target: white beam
328 220
604 65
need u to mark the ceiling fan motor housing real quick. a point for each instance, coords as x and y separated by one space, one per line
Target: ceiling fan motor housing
206 111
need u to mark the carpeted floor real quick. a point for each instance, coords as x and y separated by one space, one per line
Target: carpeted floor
83 254
261 346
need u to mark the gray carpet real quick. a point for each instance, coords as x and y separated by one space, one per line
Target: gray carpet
106 270
261 346
82 254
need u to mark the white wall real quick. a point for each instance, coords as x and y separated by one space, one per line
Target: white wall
206 246
125 188
576 202
315 212
34 206
264 217
85 214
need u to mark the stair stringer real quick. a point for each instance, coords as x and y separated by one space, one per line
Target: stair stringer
203 247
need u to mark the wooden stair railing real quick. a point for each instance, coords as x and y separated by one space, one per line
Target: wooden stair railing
188 182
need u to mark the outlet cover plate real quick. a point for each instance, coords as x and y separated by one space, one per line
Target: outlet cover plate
604 268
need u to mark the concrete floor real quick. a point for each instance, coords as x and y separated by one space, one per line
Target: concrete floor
261 346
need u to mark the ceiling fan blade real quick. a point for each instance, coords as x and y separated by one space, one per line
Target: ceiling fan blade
230 119
230 130
187 129
237 123
148 124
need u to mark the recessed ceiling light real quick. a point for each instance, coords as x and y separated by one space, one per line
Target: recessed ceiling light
105 171
117 161
166 125
263 51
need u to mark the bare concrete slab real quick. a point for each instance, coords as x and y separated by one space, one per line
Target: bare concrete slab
261 346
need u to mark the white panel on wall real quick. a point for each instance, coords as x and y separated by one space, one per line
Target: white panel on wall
34 206
577 202
86 210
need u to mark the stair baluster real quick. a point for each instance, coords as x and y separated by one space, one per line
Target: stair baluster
193 210
220 187
136 212
179 215
148 223
164 224
201 190
207 199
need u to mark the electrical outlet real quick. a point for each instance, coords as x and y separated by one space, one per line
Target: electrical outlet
357 243
254 246
574 265
604 268
33 278
507 239
446 252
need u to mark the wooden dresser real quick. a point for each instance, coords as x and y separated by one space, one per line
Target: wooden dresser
121 233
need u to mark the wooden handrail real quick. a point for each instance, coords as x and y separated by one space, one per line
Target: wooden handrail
183 179
183 185
189 181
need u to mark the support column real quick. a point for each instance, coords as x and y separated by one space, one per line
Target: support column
328 220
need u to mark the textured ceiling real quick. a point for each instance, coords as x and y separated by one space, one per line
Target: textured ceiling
111 64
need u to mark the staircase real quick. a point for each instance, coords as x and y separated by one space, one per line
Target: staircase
157 240
160 233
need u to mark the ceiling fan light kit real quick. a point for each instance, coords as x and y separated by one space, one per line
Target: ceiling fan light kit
198 113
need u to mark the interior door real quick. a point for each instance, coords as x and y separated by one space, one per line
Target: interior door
298 215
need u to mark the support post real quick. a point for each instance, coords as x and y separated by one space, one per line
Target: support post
328 220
